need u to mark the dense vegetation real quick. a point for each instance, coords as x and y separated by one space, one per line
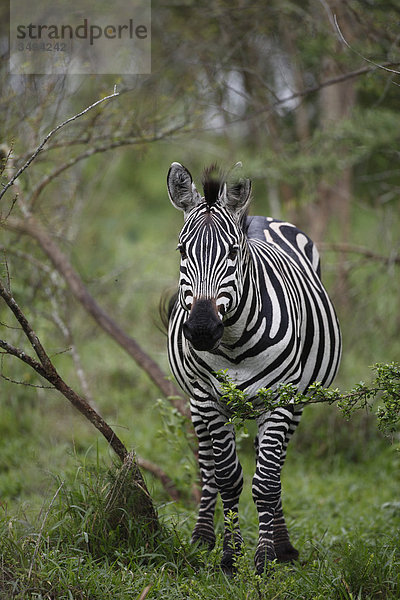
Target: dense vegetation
327 160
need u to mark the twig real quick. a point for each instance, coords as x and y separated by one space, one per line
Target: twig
26 383
158 472
352 249
49 135
96 150
368 60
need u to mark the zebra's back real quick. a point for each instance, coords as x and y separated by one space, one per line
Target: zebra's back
287 237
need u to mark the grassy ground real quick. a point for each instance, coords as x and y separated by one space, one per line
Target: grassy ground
342 506
345 524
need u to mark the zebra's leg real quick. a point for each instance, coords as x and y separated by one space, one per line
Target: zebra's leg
228 478
272 431
284 550
204 528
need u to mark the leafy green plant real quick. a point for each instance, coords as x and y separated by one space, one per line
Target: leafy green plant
385 388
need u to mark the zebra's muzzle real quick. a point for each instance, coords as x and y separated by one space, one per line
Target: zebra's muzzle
203 328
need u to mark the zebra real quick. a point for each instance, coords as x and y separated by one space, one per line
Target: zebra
250 302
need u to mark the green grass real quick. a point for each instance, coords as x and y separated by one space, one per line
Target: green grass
345 522
340 491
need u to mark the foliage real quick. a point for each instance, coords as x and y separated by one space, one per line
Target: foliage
386 387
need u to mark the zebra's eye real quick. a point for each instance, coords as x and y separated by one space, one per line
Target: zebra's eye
233 250
181 249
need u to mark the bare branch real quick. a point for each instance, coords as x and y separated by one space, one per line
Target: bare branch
18 353
26 383
32 227
158 472
47 370
353 249
371 62
49 135
129 141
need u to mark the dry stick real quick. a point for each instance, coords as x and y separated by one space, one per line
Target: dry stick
49 135
158 472
46 369
78 289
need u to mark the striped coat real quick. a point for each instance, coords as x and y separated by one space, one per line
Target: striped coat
251 302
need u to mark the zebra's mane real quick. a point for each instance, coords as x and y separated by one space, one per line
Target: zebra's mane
213 180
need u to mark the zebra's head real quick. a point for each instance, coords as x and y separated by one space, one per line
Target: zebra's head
212 246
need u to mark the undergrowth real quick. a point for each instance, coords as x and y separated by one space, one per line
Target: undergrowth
73 551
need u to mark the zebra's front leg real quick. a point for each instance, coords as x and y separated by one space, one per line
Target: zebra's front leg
228 479
284 550
204 529
267 483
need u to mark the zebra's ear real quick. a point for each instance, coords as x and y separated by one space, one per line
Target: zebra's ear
236 196
181 189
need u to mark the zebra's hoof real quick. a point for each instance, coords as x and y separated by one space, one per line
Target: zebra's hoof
263 559
227 563
231 549
203 538
286 553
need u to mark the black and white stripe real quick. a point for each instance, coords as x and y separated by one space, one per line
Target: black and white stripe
250 301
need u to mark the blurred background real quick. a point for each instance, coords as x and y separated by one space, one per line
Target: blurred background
291 89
